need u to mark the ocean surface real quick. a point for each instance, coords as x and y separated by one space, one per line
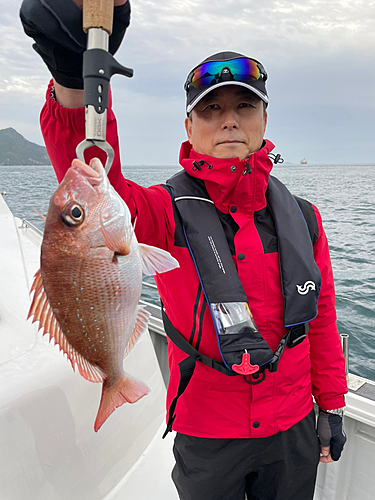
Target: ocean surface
345 196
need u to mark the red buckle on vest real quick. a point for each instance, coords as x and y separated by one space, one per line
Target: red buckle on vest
245 368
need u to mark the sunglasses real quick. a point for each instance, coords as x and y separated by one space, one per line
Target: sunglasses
241 70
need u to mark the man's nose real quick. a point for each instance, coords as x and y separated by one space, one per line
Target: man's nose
230 120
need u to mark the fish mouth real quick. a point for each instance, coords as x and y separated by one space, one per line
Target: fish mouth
92 173
88 170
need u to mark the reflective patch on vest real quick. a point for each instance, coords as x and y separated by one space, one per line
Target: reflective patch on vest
216 254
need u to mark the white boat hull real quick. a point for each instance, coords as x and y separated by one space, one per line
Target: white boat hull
48 448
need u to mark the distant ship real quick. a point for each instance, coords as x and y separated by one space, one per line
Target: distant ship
304 161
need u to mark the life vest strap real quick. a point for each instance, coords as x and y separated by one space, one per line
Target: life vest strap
187 365
185 346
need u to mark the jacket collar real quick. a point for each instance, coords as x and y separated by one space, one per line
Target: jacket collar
227 181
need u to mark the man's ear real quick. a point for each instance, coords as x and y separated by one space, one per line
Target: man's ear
188 126
265 122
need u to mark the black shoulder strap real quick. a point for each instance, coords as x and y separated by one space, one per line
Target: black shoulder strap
300 275
206 240
310 218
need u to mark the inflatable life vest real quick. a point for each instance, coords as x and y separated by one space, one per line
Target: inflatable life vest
242 347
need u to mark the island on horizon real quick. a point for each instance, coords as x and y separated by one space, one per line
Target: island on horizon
15 150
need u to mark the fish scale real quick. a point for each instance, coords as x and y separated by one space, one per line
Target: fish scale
87 288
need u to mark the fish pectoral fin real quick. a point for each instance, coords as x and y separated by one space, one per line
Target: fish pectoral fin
126 390
42 311
140 326
155 260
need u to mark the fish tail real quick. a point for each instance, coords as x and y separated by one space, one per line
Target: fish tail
125 390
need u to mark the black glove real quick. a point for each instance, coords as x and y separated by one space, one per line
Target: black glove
56 26
331 433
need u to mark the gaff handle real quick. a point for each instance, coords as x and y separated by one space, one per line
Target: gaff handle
98 67
98 14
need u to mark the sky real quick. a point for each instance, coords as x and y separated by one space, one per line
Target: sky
319 55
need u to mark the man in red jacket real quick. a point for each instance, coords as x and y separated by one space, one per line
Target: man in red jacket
253 432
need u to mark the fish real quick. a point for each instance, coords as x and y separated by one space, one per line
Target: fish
86 292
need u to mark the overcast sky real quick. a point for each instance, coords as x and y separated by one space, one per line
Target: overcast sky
319 55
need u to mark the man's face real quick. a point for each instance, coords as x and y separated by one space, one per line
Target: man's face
229 122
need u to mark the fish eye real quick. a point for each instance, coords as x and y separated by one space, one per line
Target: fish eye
76 213
73 214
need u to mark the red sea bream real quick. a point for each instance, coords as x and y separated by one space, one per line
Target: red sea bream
87 290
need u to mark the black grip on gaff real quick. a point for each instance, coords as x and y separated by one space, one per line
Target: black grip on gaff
98 67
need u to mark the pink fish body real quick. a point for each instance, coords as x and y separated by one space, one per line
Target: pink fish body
87 290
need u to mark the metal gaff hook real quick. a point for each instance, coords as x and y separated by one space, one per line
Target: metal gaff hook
89 143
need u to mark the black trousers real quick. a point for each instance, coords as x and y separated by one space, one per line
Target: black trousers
279 467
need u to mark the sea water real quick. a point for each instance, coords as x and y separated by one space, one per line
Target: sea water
345 196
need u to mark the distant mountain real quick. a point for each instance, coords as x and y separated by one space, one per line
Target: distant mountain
16 150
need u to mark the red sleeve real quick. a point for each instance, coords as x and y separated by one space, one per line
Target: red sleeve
327 360
63 129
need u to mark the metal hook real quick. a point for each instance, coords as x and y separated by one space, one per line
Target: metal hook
103 145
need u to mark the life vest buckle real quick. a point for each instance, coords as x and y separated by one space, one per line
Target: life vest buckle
297 334
245 367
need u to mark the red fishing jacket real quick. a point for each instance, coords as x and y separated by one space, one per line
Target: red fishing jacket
215 405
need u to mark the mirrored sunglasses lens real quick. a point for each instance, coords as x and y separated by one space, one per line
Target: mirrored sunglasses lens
244 70
209 73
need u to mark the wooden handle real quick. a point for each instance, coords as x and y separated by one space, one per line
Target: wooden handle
98 14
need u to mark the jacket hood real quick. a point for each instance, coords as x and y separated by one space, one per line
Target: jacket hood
231 181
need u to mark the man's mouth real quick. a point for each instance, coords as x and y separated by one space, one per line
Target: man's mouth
230 142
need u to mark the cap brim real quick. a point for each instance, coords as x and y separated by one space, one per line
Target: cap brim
260 94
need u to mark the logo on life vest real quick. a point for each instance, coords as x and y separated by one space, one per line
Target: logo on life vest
303 290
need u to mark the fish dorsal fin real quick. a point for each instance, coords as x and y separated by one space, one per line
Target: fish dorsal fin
42 311
155 260
140 326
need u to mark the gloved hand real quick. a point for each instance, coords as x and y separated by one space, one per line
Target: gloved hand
331 436
56 26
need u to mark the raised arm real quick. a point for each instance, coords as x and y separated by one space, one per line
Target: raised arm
63 116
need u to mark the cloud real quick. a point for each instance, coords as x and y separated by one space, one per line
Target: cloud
269 25
23 87
319 55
